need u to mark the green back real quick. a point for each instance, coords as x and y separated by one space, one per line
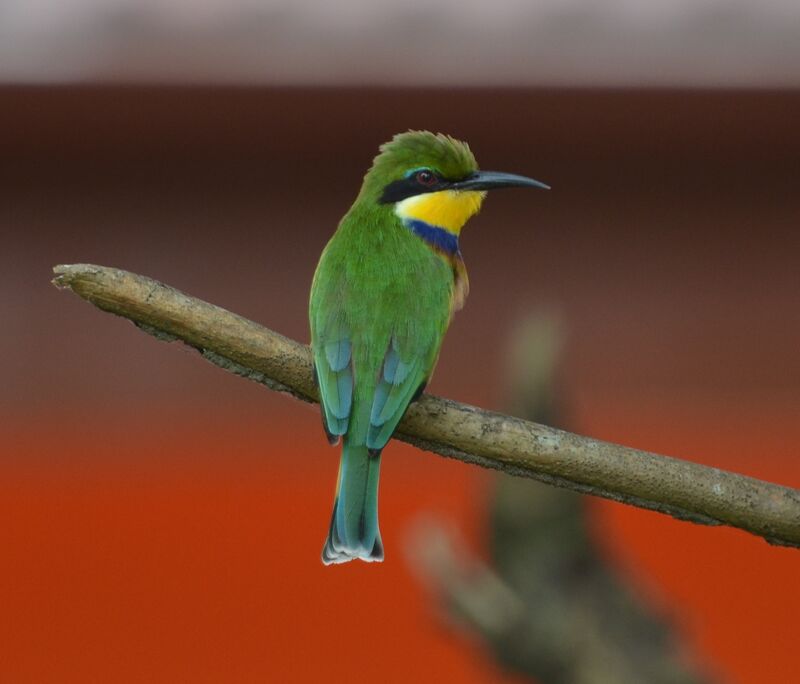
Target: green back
380 305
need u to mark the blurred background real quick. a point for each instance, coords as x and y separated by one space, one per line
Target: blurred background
163 520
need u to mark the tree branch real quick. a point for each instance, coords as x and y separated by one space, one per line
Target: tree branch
682 489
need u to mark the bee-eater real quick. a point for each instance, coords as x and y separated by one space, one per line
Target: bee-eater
385 289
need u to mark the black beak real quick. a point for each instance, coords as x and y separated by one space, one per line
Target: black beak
488 180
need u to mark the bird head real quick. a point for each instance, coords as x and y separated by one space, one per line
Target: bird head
433 178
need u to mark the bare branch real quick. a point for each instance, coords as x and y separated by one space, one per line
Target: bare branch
682 489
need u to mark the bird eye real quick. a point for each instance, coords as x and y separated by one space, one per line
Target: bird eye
426 178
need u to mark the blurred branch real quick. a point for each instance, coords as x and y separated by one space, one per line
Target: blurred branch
557 612
549 604
685 490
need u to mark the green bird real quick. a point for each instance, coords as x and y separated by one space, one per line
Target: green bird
383 294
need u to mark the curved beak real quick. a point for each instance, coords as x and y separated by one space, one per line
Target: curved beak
489 180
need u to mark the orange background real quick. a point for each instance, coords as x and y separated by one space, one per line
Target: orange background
163 520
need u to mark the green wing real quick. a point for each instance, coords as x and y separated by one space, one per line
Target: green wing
333 363
406 367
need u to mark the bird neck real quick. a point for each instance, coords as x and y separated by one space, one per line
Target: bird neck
438 217
438 238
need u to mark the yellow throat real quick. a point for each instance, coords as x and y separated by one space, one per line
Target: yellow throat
447 209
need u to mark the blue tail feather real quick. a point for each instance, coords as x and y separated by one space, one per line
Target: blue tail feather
354 529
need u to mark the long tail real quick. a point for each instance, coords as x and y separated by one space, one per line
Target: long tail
354 529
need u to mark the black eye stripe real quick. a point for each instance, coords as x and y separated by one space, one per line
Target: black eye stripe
412 185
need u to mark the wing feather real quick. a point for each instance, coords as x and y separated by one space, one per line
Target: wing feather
333 357
400 377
